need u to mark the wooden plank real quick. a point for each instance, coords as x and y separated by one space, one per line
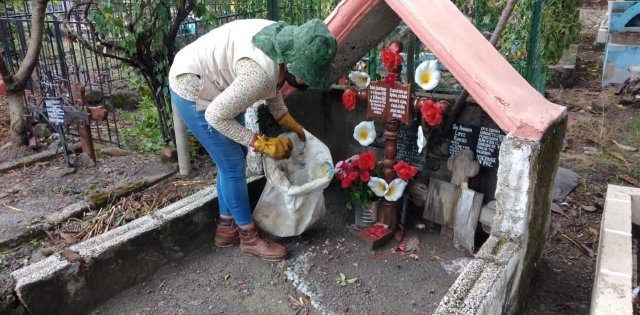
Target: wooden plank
441 202
418 192
466 218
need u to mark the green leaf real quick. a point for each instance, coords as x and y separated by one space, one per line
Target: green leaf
199 10
158 38
352 280
342 276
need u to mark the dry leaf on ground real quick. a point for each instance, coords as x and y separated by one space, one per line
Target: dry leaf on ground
618 156
595 233
625 147
557 209
579 245
629 180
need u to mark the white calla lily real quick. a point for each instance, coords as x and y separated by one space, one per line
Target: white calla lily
422 141
361 79
428 75
395 190
391 192
378 185
365 133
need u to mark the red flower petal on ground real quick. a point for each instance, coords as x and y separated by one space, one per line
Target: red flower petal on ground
349 99
376 231
404 170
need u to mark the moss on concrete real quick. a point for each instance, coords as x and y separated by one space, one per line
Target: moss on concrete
546 167
501 242
102 199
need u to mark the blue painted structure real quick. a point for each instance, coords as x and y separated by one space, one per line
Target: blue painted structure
622 51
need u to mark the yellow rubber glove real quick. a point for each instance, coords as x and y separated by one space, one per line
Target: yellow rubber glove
287 122
278 148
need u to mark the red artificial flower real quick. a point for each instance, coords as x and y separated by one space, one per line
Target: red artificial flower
346 183
364 176
390 79
340 175
431 112
349 99
367 161
391 58
404 170
352 176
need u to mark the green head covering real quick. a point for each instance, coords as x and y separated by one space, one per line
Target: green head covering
307 50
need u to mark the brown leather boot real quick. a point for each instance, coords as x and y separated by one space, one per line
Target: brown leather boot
227 233
253 242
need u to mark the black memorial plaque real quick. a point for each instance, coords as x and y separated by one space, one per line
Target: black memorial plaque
464 137
55 111
488 148
482 141
408 149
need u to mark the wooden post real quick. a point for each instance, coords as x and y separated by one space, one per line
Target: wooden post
388 211
182 142
392 102
84 126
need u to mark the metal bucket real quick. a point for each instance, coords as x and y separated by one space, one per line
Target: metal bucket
366 216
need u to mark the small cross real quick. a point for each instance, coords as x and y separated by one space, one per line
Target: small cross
463 166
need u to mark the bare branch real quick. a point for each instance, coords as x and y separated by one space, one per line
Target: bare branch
154 15
7 76
143 6
66 27
182 14
35 43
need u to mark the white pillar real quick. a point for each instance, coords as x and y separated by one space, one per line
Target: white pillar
182 142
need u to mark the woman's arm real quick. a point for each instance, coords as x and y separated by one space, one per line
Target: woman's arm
277 107
251 85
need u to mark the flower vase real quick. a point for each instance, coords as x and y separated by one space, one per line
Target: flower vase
366 216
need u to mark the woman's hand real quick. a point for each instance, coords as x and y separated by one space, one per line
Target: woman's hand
287 122
278 148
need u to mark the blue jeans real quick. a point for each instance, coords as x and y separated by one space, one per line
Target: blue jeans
229 156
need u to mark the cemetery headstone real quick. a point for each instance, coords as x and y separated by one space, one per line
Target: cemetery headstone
484 142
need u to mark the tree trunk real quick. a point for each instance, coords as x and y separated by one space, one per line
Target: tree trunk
16 83
16 113
162 107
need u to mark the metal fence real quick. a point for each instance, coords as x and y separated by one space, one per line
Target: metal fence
61 63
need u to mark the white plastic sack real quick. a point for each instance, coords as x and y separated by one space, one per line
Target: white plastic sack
292 199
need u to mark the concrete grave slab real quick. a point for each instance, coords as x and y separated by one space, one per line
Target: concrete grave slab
613 281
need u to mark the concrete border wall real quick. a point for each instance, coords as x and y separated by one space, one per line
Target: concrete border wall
612 283
91 272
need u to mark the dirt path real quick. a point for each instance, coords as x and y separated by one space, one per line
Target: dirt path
564 279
